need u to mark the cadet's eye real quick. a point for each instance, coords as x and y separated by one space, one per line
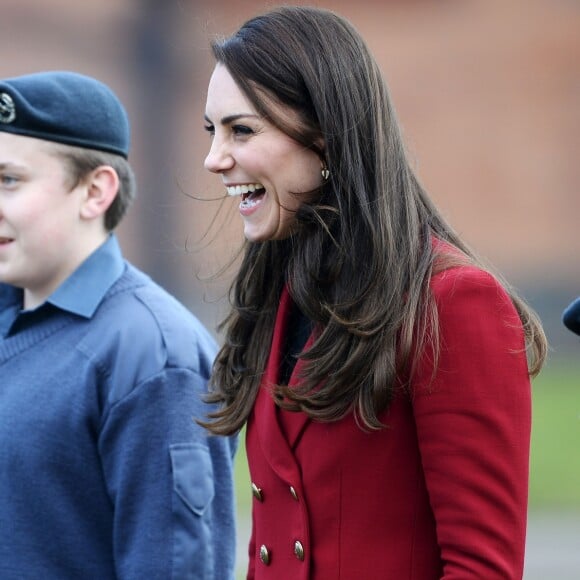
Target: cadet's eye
8 180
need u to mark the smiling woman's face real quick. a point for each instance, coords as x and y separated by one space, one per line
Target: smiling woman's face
256 160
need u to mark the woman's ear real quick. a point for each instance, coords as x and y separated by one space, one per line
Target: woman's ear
102 186
319 146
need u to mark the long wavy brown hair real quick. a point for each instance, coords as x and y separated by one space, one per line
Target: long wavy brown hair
359 264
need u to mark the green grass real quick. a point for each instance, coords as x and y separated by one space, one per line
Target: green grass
242 476
243 498
555 455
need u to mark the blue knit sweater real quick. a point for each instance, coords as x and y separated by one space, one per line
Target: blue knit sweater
104 473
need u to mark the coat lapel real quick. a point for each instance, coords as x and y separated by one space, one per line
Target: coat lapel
277 439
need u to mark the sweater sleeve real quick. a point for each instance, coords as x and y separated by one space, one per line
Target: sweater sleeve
473 418
164 475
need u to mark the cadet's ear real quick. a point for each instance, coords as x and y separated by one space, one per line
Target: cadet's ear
102 187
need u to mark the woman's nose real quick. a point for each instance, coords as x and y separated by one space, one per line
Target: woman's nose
219 158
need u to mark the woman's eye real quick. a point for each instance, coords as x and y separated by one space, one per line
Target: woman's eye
210 129
241 130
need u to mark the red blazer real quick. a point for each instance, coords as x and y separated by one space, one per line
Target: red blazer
440 493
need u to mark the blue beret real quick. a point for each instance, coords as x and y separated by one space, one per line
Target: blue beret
65 107
571 316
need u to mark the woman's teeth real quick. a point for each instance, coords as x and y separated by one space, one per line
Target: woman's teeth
242 189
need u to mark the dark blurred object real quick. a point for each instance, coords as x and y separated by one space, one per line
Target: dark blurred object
571 316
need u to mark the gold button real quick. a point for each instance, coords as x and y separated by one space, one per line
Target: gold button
257 492
299 550
264 555
293 492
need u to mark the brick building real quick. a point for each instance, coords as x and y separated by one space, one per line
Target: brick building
487 93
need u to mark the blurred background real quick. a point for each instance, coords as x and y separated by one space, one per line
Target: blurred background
488 95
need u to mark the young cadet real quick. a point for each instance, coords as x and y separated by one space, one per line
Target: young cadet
104 472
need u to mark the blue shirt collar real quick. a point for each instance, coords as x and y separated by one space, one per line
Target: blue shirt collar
10 305
82 292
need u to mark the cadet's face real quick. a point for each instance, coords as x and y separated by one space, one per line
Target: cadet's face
256 160
39 217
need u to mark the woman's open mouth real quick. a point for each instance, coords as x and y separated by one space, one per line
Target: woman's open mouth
251 193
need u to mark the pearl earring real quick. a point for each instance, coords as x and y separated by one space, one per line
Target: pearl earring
325 173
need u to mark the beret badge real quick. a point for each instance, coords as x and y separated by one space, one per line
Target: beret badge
65 107
7 108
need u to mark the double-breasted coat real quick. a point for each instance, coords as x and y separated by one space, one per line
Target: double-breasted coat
441 492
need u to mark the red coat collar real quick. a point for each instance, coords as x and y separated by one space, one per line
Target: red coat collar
279 430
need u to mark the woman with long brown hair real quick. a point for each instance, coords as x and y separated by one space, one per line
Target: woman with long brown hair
383 372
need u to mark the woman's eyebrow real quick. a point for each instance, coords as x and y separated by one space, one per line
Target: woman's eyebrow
231 118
